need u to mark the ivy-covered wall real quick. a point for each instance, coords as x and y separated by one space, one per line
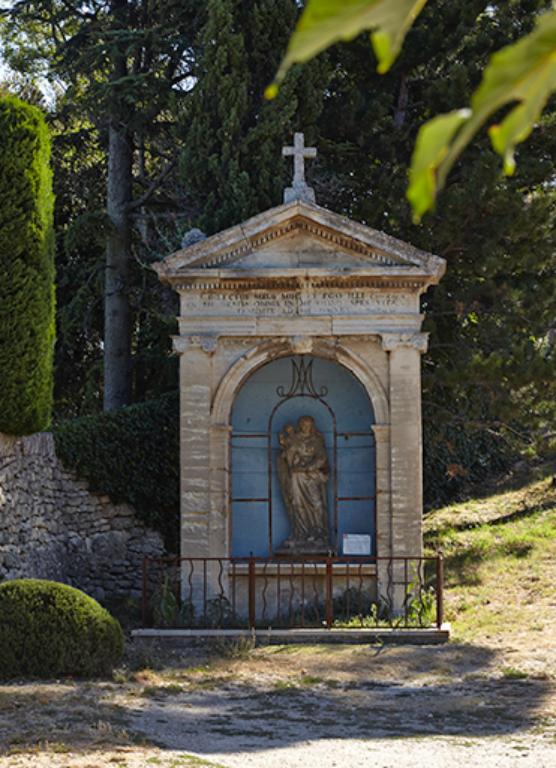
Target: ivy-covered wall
132 455
27 301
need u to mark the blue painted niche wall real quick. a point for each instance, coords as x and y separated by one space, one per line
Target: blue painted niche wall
343 413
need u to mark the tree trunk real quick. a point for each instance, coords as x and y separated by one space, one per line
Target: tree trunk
117 311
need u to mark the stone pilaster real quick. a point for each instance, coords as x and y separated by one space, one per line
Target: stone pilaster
406 464
195 462
383 507
383 514
219 490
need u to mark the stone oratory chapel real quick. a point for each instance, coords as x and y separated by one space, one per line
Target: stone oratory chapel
300 350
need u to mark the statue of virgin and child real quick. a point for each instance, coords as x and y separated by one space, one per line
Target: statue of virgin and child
303 473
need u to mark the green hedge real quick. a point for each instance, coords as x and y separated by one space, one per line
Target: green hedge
132 455
27 302
48 629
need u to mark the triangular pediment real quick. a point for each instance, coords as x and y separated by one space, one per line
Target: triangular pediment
299 237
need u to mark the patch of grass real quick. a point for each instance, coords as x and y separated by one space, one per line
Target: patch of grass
152 691
309 680
499 560
209 683
192 760
56 747
518 548
236 648
285 685
512 673
503 506
173 689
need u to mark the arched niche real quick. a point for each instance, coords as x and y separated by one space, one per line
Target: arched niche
278 394
267 351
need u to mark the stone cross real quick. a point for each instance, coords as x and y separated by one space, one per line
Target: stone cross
299 190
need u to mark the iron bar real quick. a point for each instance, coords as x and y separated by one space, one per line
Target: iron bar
355 434
356 498
248 435
145 592
316 592
348 593
190 580
292 592
407 596
302 594
251 593
329 592
222 594
278 595
439 590
234 591
205 591
360 595
264 591
250 500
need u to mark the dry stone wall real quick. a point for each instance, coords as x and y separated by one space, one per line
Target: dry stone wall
53 527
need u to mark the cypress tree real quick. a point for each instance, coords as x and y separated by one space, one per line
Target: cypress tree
231 164
26 268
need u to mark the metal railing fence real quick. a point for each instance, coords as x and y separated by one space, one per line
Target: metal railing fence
305 591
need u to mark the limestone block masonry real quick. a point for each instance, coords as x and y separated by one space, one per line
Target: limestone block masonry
300 280
53 527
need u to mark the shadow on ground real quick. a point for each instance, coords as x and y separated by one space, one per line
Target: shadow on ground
278 697
60 717
441 691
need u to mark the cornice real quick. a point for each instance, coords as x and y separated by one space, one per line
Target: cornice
299 224
300 282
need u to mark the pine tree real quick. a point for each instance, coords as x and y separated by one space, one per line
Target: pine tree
123 63
231 163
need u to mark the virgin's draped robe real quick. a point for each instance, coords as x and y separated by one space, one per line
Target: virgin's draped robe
303 474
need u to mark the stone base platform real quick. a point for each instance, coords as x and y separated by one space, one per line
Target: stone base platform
177 637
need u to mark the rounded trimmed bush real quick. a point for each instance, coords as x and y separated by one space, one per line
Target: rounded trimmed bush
48 629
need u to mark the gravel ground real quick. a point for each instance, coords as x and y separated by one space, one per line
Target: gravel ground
525 751
284 707
491 723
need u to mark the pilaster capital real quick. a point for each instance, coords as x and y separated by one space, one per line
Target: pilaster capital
206 343
381 432
391 341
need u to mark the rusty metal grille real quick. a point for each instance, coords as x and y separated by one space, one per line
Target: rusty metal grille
324 592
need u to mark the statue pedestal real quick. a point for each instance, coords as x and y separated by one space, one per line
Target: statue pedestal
291 547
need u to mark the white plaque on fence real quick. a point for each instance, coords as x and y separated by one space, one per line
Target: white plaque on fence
357 544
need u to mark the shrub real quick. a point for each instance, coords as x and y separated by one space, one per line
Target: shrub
132 455
27 269
48 629
457 458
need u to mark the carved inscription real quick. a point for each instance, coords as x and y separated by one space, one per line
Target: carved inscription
291 303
